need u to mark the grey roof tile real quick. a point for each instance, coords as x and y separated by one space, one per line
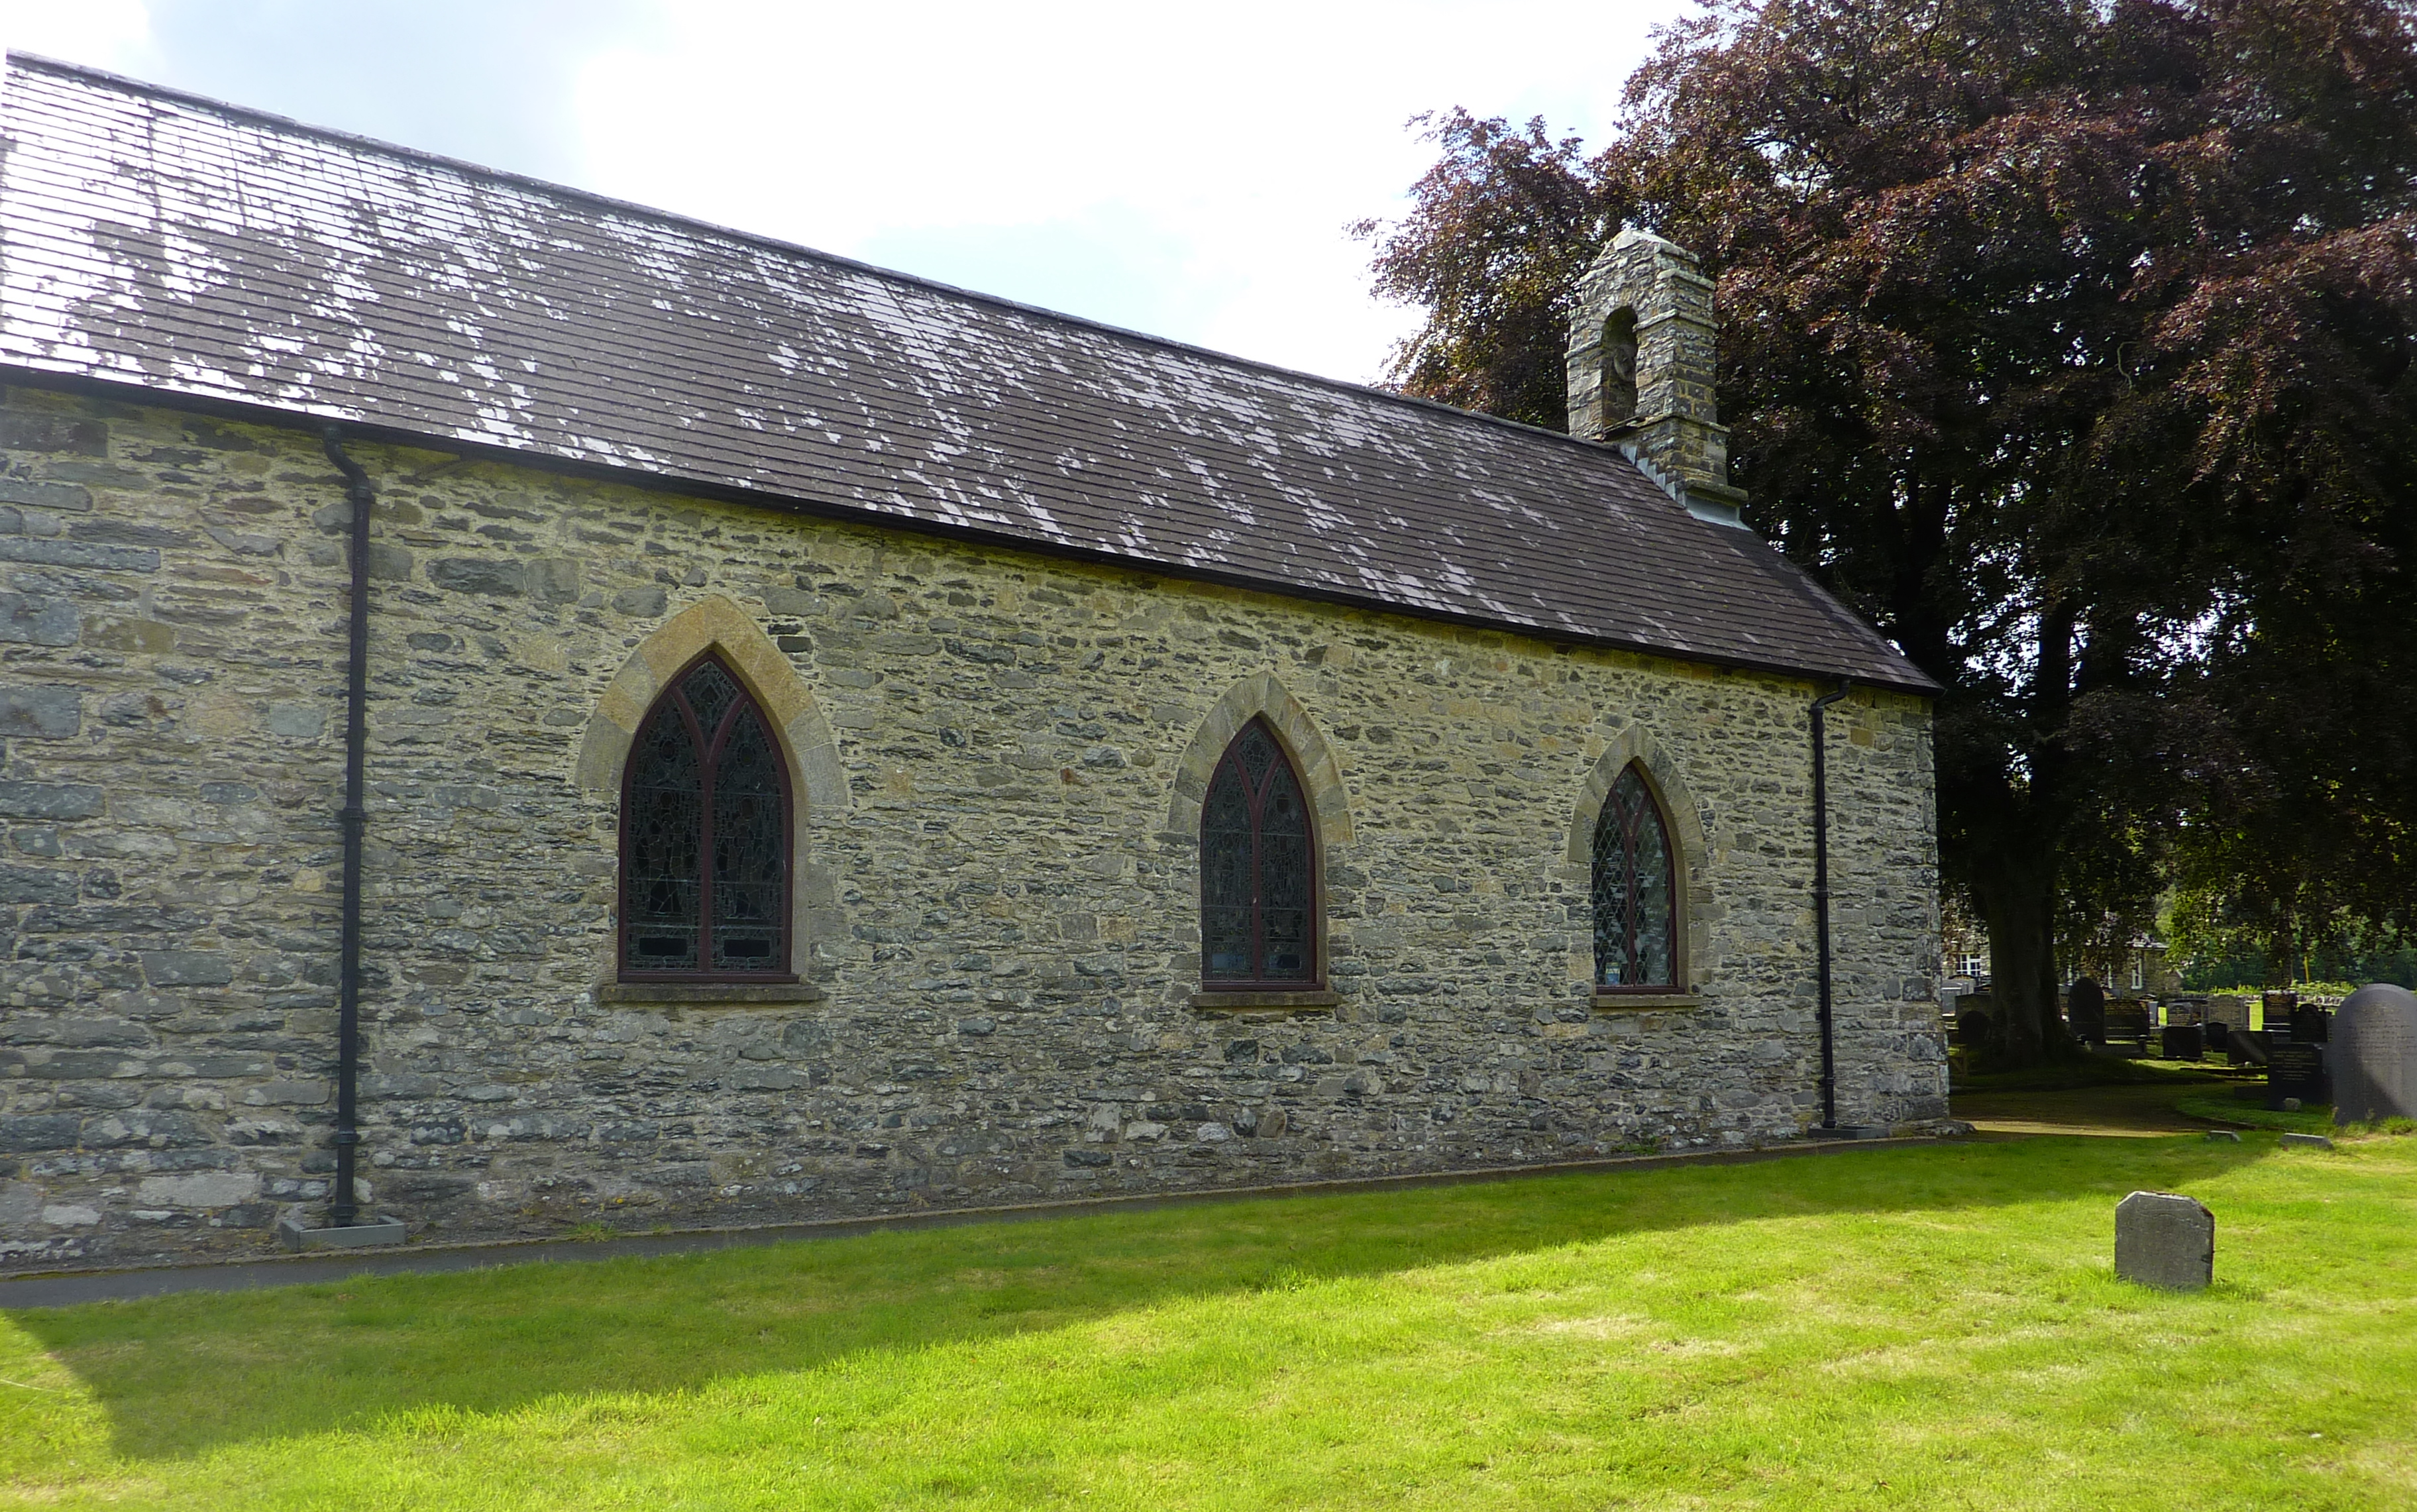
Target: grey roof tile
153 239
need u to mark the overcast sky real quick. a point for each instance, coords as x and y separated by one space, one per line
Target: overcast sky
1187 171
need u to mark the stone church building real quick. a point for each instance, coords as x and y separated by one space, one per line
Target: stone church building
837 745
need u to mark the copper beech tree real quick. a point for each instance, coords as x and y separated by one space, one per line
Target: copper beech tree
2071 343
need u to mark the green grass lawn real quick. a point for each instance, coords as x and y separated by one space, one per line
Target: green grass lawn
1934 1327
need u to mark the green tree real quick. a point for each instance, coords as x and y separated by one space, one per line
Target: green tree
2070 342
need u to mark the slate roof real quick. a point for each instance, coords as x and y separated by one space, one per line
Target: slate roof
157 240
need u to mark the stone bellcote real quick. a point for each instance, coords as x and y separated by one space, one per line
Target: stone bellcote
1641 367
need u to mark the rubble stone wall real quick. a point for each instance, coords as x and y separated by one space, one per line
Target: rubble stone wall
997 892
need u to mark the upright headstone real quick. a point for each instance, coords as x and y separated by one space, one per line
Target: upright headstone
2246 1047
2182 1042
2165 1239
2229 1009
2217 1035
1973 1027
2276 1007
2310 1024
2295 1072
2128 1021
2374 1055
2084 1009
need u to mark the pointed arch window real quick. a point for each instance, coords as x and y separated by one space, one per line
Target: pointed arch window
1636 892
704 837
1258 869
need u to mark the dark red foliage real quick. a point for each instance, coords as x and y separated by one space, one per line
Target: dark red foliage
2073 344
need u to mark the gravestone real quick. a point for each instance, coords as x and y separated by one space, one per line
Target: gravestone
2229 1009
2246 1047
2218 1035
2165 1239
2310 1024
2084 1009
2128 1021
2295 1071
2374 1055
2276 1007
1973 1027
2182 1042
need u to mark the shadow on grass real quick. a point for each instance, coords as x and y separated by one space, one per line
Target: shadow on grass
180 1374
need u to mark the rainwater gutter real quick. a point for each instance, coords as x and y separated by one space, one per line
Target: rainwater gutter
1821 899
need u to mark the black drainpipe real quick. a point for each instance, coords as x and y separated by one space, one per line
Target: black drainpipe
1821 894
342 1211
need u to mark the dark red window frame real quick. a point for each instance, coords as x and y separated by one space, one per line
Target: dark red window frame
1231 768
711 749
1618 860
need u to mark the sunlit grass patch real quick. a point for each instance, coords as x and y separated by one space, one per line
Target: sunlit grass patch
1932 1327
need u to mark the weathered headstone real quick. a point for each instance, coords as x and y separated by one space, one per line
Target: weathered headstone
2229 1009
2374 1055
2084 1009
2182 1042
2165 1239
2295 1069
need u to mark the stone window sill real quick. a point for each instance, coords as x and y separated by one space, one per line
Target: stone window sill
1258 1002
1645 1003
709 994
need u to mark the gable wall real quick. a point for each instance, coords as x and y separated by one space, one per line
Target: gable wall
1002 922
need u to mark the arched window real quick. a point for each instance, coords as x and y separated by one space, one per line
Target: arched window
704 837
1636 924
1258 869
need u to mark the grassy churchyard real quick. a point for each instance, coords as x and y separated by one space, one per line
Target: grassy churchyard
1917 1328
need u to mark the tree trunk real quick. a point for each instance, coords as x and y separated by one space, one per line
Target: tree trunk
2019 907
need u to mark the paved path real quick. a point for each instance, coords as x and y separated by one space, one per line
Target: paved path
2126 1111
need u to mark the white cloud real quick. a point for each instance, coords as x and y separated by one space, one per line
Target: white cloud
1186 170
108 34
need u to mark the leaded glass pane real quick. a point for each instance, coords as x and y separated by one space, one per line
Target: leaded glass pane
748 828
1258 902
1285 893
1634 916
1259 752
710 691
704 882
1226 875
665 830
1652 926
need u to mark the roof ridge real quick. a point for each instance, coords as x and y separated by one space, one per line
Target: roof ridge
16 57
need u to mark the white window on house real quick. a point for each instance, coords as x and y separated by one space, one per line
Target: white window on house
2139 972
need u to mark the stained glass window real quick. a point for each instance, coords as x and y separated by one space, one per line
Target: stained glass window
1634 916
705 836
1258 893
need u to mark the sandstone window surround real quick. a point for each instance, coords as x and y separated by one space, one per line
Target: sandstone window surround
1635 791
717 628
1262 702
